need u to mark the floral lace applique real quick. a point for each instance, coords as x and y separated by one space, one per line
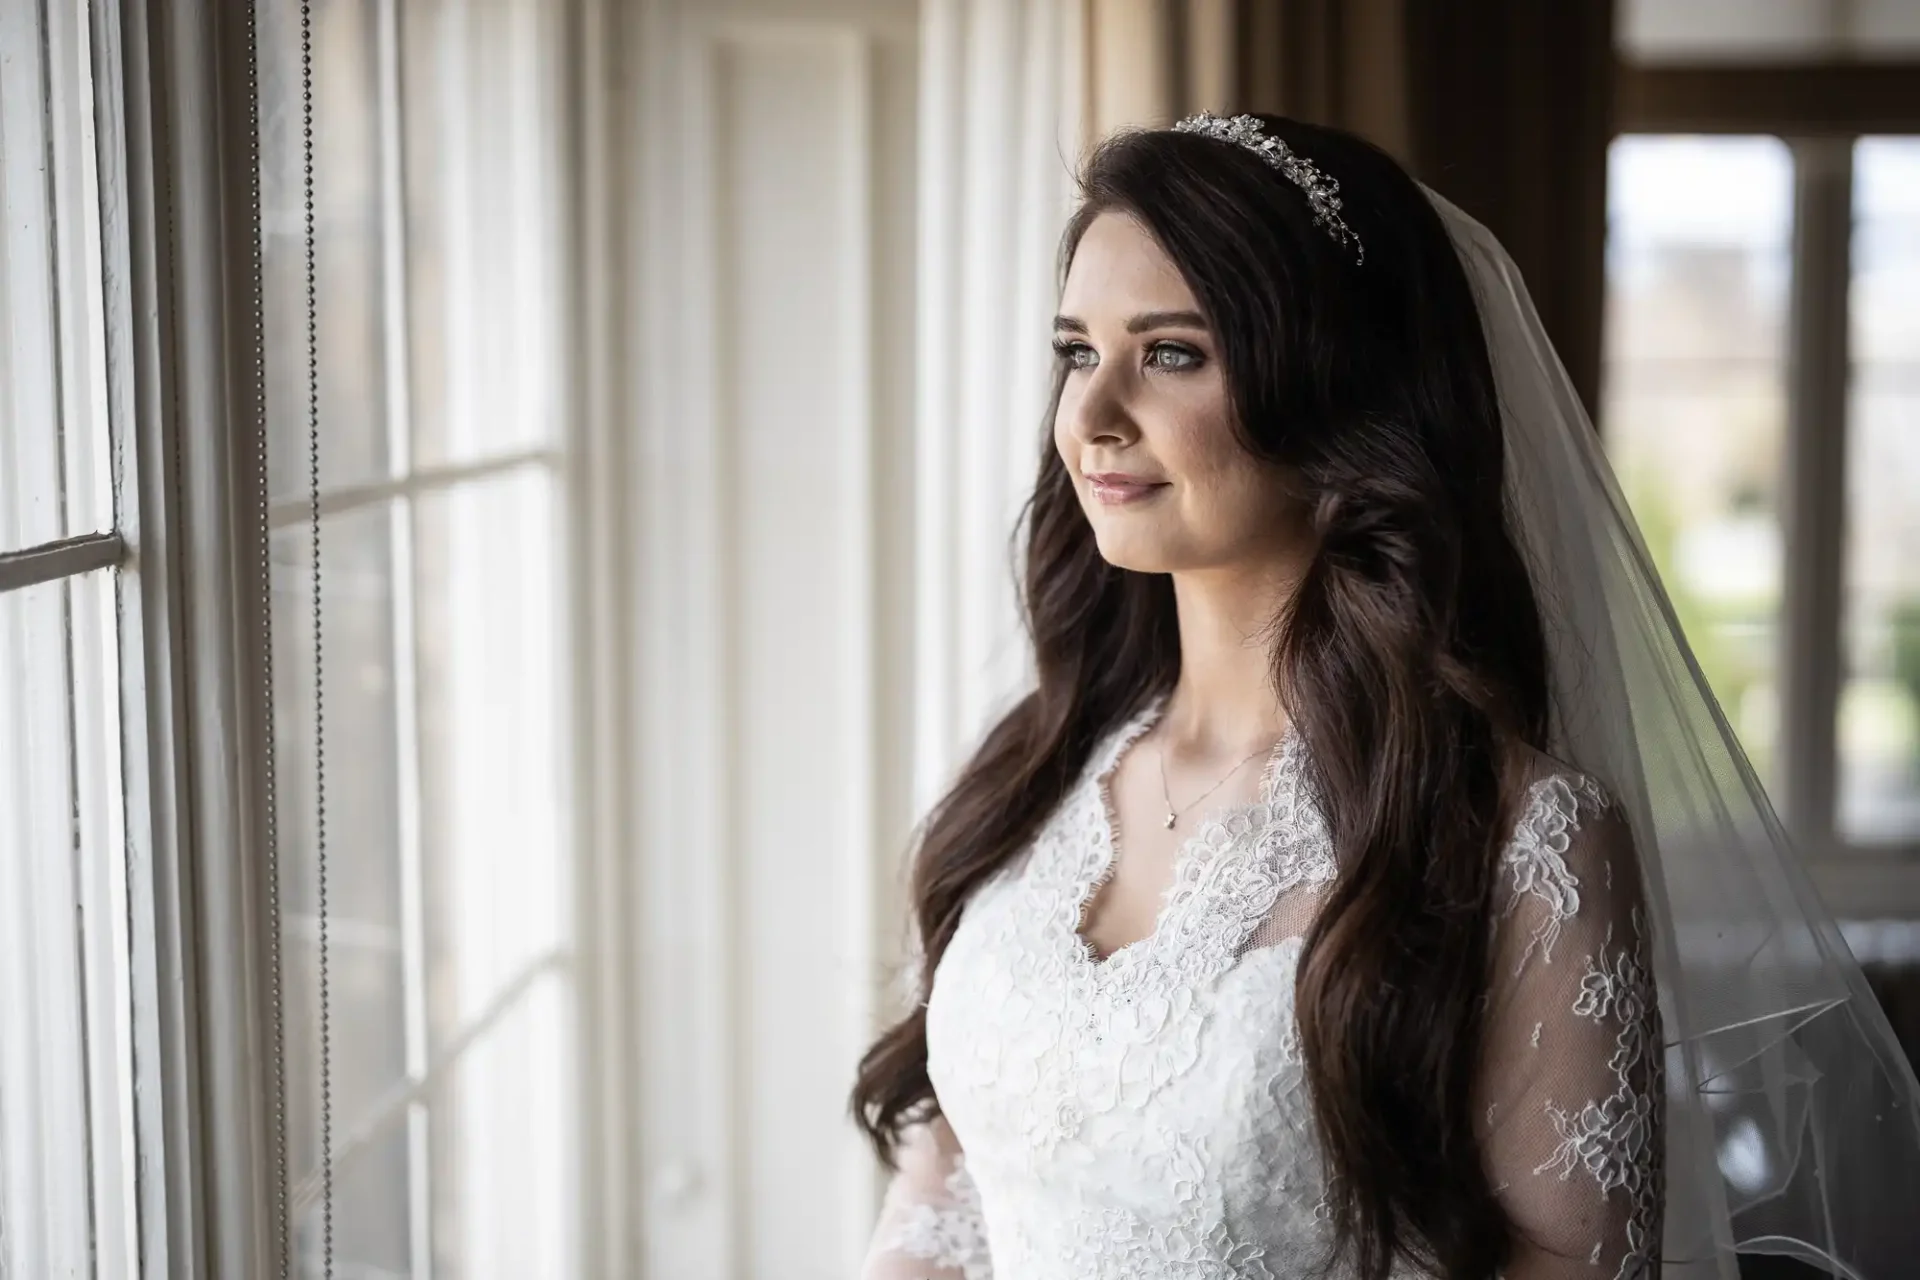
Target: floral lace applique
1143 1007
1615 1139
950 1234
1536 857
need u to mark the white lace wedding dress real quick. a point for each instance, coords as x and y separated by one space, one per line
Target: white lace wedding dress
1145 1115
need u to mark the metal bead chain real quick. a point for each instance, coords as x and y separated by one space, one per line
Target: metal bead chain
283 1253
319 666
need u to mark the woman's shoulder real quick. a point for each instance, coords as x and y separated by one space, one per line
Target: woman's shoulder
1568 857
1546 789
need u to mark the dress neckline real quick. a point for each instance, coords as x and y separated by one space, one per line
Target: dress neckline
1193 845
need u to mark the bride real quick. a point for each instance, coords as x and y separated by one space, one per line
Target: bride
1370 886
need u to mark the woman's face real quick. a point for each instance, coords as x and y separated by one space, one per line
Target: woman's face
1145 425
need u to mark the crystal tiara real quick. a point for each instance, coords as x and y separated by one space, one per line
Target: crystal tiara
1323 193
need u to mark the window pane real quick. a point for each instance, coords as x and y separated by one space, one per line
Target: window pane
482 180
366 955
491 770
347 261
496 854
503 1151
435 181
66 1098
52 376
488 861
1693 400
1879 728
488 605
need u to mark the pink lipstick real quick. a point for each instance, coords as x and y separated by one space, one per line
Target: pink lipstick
1116 487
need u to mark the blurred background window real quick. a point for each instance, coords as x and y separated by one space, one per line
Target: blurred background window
1761 388
1694 393
1879 727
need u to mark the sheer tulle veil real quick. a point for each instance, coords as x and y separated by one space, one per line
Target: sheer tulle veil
1792 1117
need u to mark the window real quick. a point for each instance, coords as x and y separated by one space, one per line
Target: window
418 623
1879 797
1698 265
1761 405
411 297
66 1099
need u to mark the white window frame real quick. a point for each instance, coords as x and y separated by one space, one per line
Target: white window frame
164 1235
178 226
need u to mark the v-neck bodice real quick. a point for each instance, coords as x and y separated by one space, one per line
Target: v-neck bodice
1148 1113
1217 826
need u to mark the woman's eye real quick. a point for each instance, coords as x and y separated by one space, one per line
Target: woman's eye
1171 356
1075 355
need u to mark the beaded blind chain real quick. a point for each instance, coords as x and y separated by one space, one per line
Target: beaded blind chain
276 986
283 1225
319 667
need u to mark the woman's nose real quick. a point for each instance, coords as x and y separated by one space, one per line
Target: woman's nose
1100 411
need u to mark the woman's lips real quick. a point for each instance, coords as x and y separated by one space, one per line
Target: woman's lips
1115 490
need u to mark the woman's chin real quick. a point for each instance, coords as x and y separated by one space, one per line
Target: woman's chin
1130 550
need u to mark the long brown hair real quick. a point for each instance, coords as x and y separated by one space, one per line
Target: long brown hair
1409 655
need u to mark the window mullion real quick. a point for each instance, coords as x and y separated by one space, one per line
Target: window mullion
169 1188
421 480
66 558
399 430
1815 499
413 886
203 993
600 611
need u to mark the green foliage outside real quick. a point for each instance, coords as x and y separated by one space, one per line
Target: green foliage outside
1731 638
1906 658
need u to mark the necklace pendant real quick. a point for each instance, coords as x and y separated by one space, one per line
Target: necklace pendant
1172 817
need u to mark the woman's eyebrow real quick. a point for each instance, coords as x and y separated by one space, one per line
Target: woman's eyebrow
1166 320
1141 323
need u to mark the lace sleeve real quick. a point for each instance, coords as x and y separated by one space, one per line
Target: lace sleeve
930 1226
1571 1086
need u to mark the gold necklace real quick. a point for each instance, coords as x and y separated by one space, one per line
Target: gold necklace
1173 814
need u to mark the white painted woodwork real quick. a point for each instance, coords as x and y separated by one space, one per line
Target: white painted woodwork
843 221
772 365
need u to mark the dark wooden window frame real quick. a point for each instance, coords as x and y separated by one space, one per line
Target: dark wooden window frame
1792 101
